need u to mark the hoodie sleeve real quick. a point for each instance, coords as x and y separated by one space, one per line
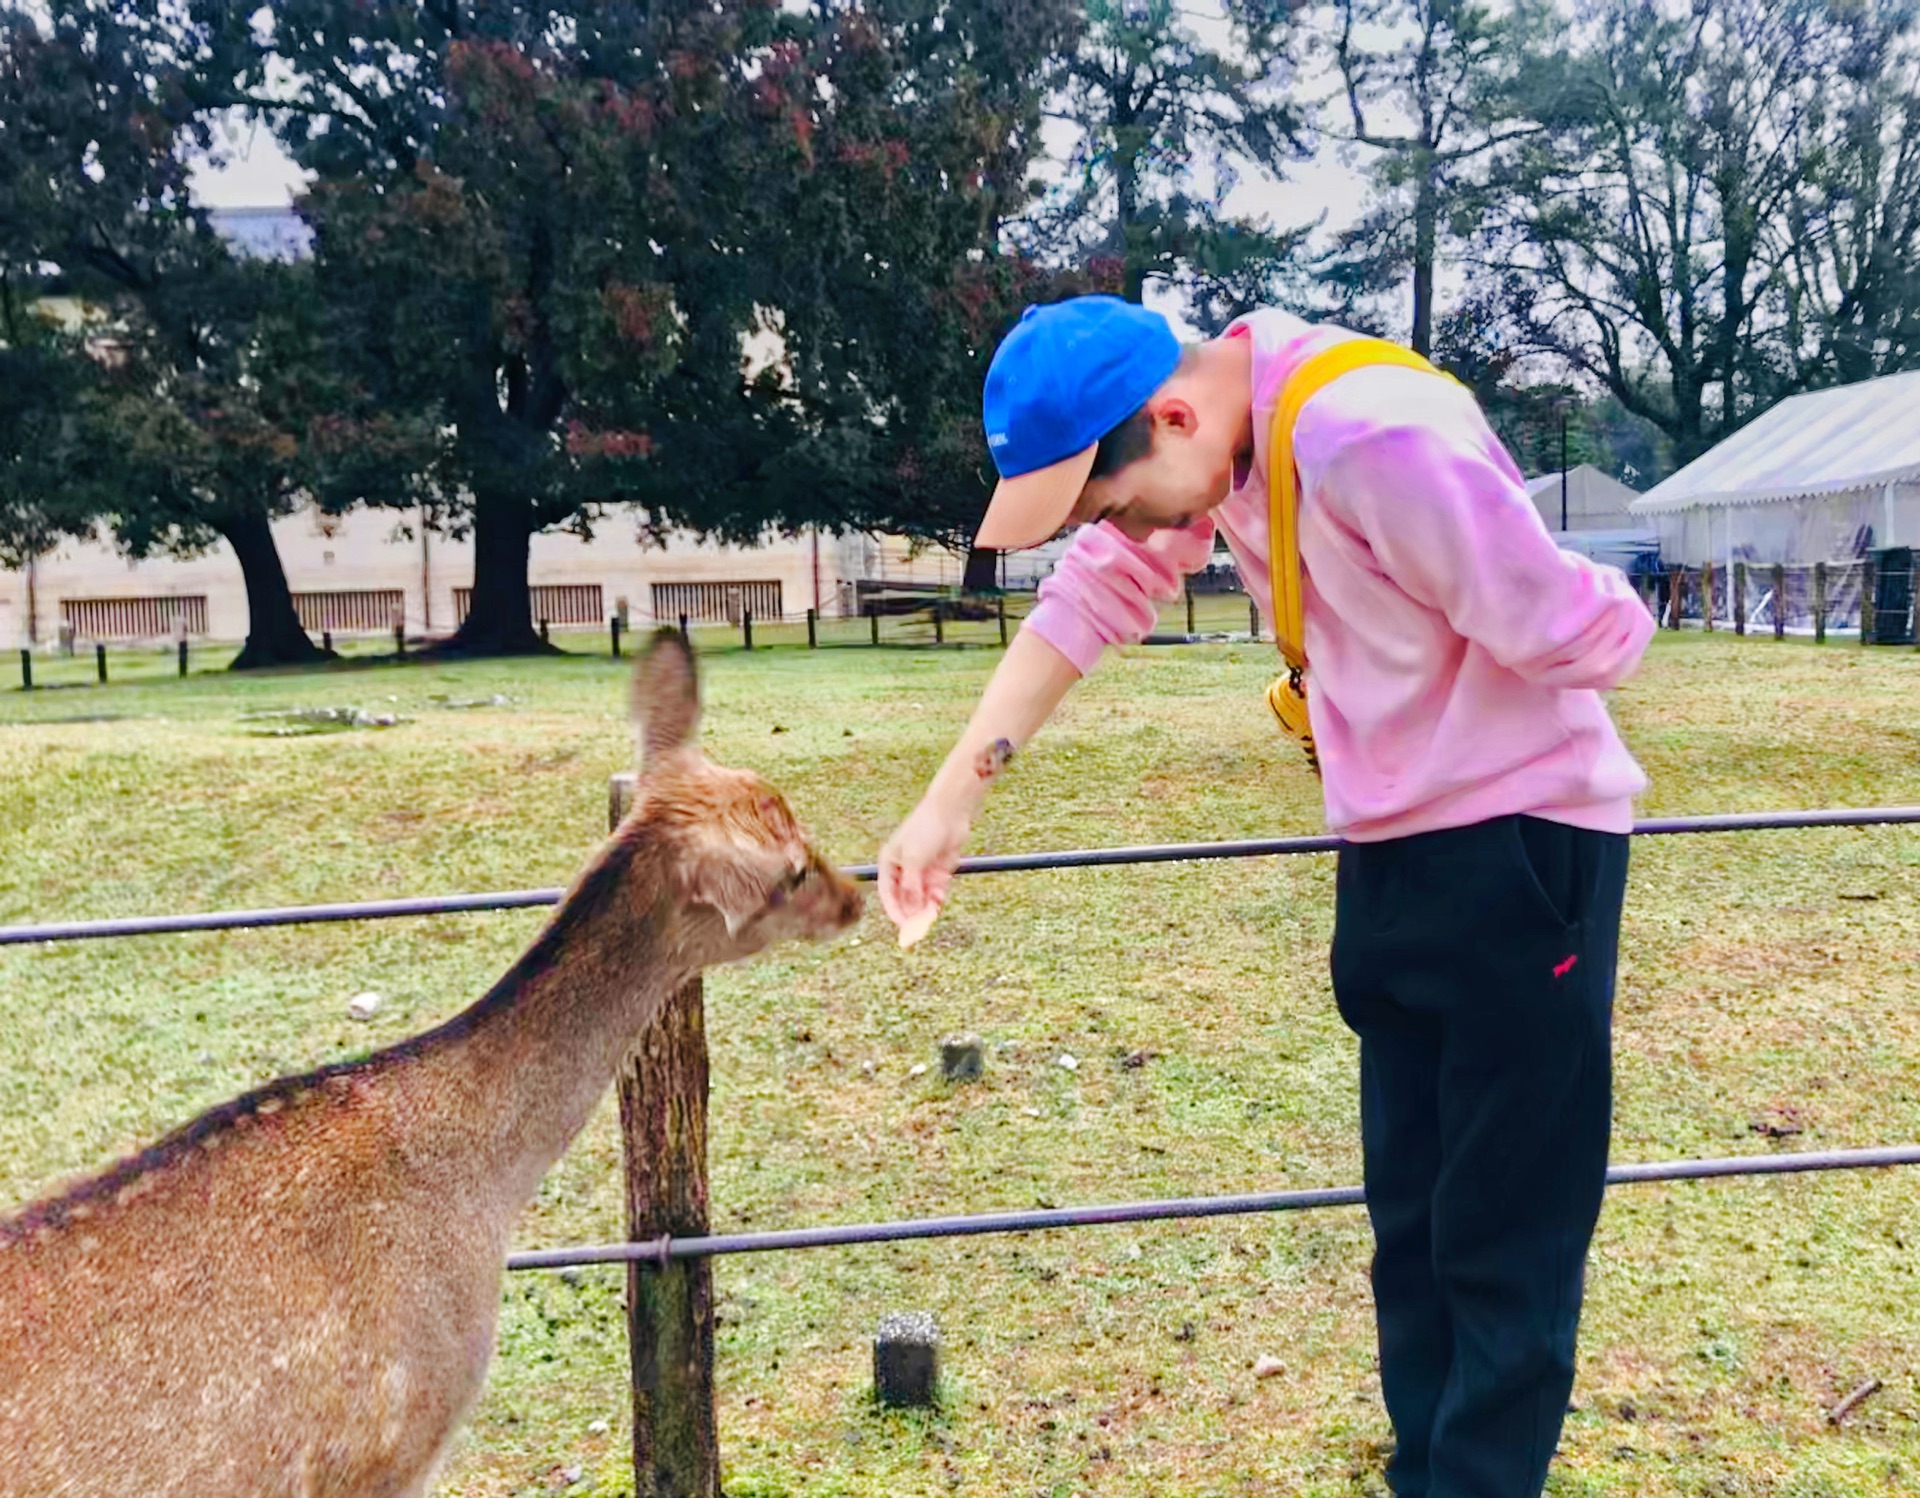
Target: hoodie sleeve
1107 589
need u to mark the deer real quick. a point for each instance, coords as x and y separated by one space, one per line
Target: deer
294 1295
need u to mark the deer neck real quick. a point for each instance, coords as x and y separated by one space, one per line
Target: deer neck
525 1067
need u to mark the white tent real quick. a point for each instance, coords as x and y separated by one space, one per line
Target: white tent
1822 477
1595 501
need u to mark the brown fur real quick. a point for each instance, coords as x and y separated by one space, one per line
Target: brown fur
294 1295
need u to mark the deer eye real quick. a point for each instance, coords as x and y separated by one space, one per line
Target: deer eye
789 884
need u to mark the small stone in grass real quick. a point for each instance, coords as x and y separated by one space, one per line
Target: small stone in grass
962 1058
906 1359
1068 1061
1267 1366
364 1006
918 1069
598 1428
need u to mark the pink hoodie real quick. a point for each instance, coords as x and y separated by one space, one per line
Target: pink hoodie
1456 654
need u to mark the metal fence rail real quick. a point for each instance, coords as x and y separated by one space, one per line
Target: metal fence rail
662 1251
1003 863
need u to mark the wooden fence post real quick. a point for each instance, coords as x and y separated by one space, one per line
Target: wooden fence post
685 637
1000 608
1779 601
1869 579
1253 618
873 618
939 622
1189 591
1676 585
100 661
1706 594
26 669
1739 598
813 629
670 1311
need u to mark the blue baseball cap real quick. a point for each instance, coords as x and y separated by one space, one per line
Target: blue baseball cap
1068 374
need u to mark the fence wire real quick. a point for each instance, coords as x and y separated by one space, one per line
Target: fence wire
1003 863
659 1252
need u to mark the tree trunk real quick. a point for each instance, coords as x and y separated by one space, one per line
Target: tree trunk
983 571
1126 188
274 635
1426 221
500 609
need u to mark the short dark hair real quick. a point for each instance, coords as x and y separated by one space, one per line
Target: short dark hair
1127 443
1132 440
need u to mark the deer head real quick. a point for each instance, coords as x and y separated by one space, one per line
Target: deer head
747 874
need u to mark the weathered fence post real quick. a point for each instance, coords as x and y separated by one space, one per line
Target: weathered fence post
182 648
1253 618
1779 601
1189 591
1676 586
939 622
1000 608
1706 594
100 661
670 1312
1869 579
1739 598
813 629
1819 603
746 627
26 669
873 619
326 641
685 637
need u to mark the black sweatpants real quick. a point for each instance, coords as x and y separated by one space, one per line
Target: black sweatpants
1476 966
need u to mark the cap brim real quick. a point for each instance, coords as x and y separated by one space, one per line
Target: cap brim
1031 509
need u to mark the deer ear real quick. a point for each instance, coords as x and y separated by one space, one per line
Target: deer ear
666 697
733 886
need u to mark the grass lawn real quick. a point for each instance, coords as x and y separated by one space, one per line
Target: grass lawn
1767 1001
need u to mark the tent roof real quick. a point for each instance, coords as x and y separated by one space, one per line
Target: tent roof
1590 494
1582 478
1825 442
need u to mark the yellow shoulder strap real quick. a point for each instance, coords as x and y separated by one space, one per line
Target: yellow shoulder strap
1312 375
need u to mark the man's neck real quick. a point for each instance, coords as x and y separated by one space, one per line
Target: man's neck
1223 375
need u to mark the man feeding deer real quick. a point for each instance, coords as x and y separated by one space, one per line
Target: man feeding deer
294 1295
1444 662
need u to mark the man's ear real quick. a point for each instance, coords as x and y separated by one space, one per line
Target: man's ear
1174 413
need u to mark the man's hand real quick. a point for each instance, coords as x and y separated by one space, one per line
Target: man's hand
917 864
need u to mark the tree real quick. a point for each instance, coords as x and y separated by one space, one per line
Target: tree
1476 344
1716 212
51 484
563 229
168 445
228 412
1456 75
1164 126
1852 232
